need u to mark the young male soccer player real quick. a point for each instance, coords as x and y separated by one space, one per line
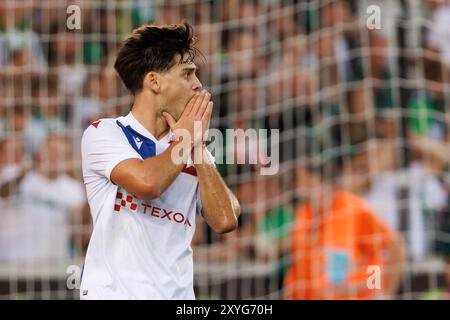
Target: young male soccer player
143 203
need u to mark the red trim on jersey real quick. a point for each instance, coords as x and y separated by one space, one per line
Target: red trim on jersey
96 123
190 170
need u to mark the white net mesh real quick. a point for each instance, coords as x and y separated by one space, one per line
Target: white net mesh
361 109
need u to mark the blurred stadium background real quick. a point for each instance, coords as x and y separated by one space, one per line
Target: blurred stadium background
376 99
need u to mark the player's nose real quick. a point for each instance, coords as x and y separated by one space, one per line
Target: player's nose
197 85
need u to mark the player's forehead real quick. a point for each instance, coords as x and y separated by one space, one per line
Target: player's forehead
183 64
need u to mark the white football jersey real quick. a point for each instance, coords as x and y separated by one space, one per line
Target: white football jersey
139 249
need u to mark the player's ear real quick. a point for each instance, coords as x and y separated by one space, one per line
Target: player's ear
152 82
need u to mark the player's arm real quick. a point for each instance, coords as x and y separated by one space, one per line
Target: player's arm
220 207
147 179
150 177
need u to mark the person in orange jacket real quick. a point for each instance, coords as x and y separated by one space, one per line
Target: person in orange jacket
340 248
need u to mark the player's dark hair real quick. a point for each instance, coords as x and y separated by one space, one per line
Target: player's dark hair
154 48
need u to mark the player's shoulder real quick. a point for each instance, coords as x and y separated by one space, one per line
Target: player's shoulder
102 129
102 125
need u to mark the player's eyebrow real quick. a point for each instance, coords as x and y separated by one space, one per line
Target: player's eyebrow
190 69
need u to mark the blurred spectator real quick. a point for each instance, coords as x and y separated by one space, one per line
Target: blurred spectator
50 112
208 42
437 159
244 60
428 103
439 32
89 106
245 12
39 229
47 18
19 44
380 73
334 13
361 109
265 227
273 220
384 185
167 14
103 96
101 22
340 41
289 77
290 87
12 165
283 22
336 237
243 99
14 121
17 122
66 54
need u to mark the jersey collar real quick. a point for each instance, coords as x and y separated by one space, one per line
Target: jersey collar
137 126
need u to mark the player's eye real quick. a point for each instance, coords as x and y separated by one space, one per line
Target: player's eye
188 73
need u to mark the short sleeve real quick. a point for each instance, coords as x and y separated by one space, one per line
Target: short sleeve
103 146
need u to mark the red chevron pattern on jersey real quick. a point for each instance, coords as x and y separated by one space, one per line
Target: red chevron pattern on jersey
124 202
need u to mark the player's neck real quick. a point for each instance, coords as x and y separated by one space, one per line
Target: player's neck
150 118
